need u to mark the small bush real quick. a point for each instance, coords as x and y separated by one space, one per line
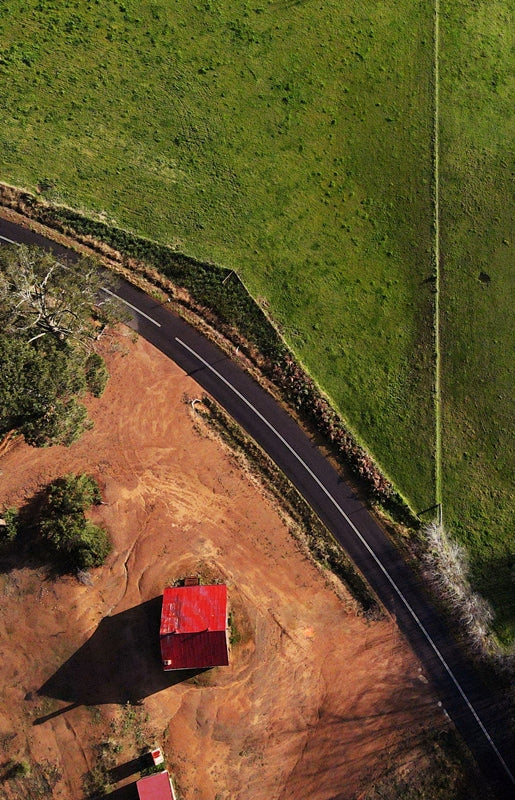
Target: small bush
17 769
9 530
234 634
95 783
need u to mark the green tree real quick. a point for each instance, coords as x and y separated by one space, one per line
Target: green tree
62 423
38 391
74 539
73 494
48 316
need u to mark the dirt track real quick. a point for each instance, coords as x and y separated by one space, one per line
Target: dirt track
315 699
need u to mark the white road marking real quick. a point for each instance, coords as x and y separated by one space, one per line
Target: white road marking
11 241
368 548
137 310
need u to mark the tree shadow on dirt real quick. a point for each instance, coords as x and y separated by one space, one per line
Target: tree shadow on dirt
120 663
27 550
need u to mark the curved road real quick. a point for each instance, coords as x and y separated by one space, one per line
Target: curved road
474 708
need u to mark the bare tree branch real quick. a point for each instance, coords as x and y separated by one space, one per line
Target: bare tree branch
36 291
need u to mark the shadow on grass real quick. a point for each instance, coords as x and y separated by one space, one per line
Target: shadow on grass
120 663
494 579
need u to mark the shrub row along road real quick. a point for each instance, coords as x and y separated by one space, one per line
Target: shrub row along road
474 709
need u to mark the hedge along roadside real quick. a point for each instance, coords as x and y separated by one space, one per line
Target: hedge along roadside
322 545
219 294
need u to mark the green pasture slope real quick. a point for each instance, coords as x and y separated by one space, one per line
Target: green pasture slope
477 134
290 141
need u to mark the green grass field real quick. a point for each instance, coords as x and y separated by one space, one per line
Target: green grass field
477 294
290 141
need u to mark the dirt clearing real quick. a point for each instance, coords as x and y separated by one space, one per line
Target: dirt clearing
315 698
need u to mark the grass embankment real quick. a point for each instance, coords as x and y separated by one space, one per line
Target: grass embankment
291 143
476 301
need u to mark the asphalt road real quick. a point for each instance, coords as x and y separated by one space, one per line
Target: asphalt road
474 708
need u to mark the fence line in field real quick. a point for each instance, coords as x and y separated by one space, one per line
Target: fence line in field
436 257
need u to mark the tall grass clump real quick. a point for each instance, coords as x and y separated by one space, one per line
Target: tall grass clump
446 566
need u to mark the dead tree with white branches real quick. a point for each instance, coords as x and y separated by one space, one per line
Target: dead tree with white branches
39 295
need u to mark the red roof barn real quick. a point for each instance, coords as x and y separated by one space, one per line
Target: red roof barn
194 627
155 787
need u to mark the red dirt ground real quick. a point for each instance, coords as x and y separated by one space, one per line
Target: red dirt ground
315 697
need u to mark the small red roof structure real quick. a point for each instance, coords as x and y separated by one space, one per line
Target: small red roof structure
194 627
155 787
157 756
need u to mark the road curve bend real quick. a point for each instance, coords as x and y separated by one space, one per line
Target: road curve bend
474 708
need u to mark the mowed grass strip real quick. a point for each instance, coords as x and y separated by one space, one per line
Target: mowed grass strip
476 98
290 141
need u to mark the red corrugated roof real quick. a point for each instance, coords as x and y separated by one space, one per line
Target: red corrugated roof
193 627
155 787
194 650
190 609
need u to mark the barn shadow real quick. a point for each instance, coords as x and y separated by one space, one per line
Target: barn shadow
120 663
128 792
128 768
